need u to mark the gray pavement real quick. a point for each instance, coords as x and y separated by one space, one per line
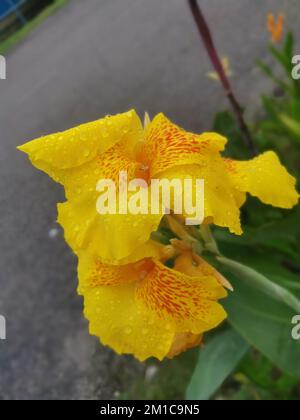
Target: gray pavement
92 58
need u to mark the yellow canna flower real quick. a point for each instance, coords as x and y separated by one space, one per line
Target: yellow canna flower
147 309
79 157
275 28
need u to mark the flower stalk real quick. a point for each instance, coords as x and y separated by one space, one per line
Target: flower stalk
209 44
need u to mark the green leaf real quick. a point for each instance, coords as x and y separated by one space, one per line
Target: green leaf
262 283
216 362
292 125
283 59
270 107
269 72
265 323
289 45
281 235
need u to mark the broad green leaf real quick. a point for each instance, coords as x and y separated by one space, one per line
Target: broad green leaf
265 323
279 235
216 362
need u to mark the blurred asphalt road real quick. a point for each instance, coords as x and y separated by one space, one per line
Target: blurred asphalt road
92 58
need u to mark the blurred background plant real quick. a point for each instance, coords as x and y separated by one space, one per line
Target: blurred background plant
254 356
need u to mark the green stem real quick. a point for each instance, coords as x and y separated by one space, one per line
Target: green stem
261 282
209 240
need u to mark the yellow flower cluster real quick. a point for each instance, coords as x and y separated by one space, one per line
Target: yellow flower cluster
134 301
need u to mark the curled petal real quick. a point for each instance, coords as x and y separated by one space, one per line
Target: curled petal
189 303
221 201
195 266
113 237
266 178
81 144
93 272
167 145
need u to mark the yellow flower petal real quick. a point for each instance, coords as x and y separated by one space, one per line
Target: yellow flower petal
266 178
189 303
167 145
80 145
183 342
92 273
112 237
221 201
115 315
150 249
117 319
147 309
81 182
195 266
